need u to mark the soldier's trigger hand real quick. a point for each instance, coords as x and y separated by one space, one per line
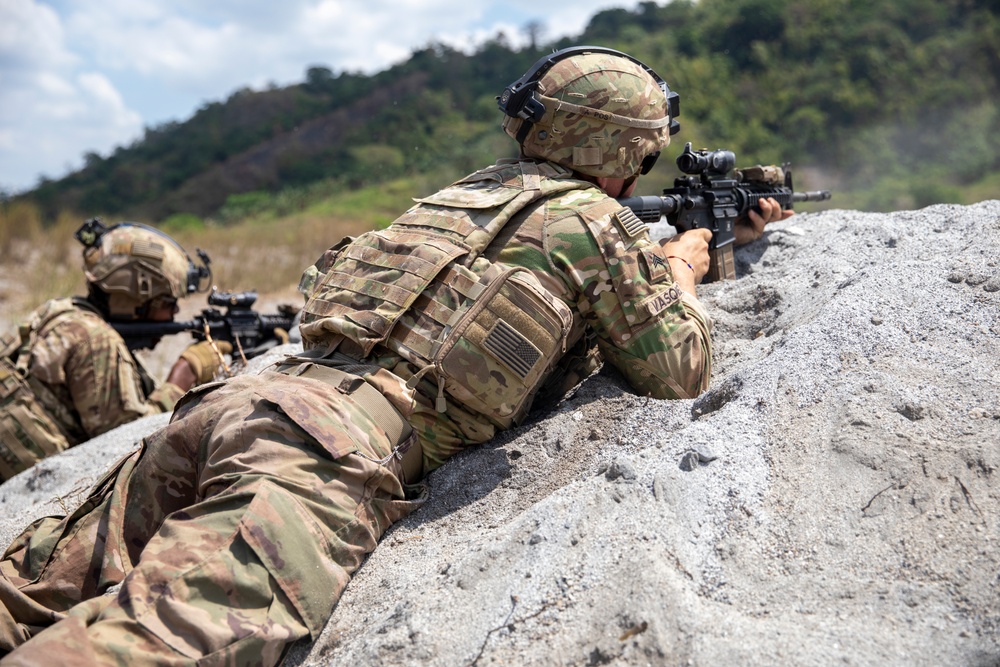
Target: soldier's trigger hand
687 253
205 360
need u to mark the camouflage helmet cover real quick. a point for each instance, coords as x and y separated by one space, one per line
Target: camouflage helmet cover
134 264
604 113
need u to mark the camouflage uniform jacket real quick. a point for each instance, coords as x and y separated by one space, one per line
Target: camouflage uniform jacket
598 259
84 375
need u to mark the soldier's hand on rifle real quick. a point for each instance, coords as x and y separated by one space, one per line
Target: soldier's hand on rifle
687 254
751 227
199 363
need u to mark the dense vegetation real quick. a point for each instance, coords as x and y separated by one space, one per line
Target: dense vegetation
894 104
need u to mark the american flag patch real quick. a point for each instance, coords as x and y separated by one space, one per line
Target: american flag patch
512 349
629 222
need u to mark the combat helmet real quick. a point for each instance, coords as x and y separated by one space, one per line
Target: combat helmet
129 265
598 111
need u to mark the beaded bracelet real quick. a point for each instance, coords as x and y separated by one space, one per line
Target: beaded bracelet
682 259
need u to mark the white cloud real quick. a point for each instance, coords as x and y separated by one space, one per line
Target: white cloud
78 76
31 38
106 104
50 113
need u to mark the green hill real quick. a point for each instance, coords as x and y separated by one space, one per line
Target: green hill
893 104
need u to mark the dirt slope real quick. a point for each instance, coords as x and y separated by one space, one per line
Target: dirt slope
833 499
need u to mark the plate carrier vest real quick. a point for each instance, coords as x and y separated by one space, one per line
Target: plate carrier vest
487 333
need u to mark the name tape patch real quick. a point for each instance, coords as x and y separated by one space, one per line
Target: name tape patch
660 301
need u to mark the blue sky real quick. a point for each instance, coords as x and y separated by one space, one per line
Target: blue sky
81 76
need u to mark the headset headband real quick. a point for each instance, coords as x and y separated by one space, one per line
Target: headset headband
518 100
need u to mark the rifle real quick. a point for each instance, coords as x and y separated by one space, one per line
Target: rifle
710 198
250 332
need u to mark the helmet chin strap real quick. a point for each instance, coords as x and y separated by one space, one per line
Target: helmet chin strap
629 182
602 182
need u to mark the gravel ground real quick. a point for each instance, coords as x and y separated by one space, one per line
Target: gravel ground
832 499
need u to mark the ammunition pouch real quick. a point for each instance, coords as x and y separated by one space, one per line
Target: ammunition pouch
488 341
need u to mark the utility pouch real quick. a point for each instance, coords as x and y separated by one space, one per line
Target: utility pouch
28 433
494 356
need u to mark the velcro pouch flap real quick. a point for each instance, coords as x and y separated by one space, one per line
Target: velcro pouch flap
497 354
372 283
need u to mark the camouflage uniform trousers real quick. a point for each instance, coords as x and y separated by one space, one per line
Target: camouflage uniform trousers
232 533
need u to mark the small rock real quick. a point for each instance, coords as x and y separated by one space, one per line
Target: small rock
911 411
705 454
976 279
689 461
622 469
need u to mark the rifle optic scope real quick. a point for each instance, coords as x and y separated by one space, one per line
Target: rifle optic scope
232 299
719 162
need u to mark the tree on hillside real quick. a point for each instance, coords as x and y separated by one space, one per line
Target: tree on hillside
867 88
